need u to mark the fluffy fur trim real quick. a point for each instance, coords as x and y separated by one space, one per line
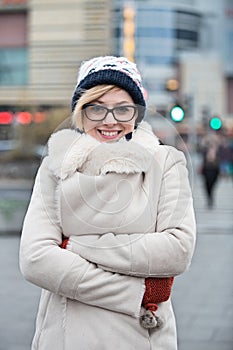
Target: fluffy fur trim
71 151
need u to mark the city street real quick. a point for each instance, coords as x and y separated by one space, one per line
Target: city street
202 297
79 78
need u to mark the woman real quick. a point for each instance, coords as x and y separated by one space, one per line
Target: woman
121 206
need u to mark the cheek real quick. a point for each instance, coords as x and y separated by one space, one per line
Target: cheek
129 127
89 126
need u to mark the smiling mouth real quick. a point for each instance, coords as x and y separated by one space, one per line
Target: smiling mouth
109 133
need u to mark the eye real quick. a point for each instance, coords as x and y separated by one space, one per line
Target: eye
123 110
96 109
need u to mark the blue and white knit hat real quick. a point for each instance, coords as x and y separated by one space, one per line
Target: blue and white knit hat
111 70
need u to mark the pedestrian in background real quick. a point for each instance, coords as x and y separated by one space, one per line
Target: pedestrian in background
110 222
231 158
210 169
225 157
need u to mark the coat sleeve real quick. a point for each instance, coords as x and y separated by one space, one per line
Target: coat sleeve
165 252
45 264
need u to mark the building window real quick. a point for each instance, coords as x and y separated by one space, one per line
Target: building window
13 66
13 48
187 29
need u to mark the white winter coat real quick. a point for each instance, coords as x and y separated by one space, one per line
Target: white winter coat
127 208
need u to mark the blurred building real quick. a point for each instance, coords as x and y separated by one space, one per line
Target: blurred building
42 43
184 49
186 42
163 31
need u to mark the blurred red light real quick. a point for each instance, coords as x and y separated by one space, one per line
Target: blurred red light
6 118
24 117
39 117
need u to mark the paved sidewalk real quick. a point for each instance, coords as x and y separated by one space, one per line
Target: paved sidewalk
18 299
203 296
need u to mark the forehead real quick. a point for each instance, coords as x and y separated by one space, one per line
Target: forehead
116 95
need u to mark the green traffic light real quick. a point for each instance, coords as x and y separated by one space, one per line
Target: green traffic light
177 113
215 123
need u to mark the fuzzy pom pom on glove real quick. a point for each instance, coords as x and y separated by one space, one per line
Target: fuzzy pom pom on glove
157 291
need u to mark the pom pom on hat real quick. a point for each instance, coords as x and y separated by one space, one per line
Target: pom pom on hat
111 70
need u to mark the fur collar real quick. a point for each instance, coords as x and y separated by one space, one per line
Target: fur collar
70 151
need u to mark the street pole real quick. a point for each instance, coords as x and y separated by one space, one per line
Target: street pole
192 136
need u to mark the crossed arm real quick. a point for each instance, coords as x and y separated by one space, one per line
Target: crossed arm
164 253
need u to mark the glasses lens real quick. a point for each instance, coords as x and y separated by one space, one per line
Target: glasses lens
95 112
124 113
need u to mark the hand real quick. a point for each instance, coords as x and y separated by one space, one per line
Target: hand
157 290
64 243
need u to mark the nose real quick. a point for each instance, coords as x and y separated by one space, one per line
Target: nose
109 119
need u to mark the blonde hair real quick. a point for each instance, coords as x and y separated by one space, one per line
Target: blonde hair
87 97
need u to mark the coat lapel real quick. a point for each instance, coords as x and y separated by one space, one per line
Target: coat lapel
71 151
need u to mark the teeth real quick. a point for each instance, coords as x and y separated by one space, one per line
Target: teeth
108 133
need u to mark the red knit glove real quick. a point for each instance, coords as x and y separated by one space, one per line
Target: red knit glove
157 291
64 243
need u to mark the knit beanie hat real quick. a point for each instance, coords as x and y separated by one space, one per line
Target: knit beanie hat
111 70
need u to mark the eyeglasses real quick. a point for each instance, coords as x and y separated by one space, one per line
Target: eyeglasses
123 113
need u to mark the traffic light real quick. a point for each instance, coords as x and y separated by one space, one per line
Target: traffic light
177 113
215 123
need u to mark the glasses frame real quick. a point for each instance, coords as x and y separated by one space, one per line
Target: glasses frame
109 110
